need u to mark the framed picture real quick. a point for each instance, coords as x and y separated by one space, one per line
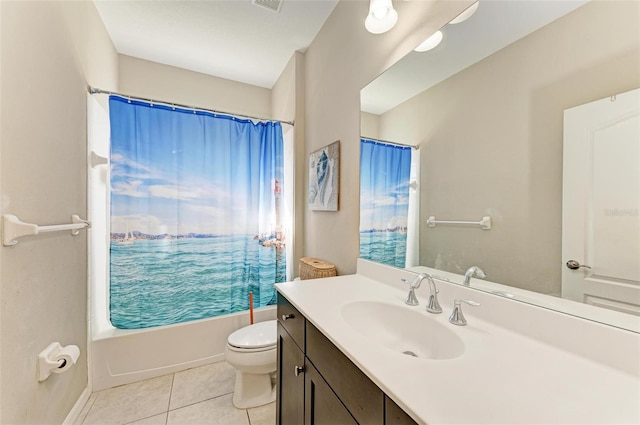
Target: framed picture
324 178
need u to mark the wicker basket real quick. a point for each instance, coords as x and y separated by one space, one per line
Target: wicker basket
313 268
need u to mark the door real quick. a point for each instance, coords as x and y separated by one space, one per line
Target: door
601 201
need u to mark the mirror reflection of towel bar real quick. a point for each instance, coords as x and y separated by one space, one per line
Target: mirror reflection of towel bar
13 228
485 222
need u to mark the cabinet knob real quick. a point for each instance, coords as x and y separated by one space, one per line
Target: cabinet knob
297 370
287 316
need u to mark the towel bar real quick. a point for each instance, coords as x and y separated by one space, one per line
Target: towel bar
13 228
485 222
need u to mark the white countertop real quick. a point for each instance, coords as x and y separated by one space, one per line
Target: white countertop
503 376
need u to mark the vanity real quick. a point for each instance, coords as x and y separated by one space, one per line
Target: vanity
351 351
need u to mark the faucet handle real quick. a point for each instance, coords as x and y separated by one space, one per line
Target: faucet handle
457 318
411 297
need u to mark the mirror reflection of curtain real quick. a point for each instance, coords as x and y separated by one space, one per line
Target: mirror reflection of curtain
196 214
385 176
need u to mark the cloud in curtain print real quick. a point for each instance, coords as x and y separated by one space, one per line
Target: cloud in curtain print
384 207
202 206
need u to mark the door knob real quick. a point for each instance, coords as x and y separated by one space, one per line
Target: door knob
574 265
297 370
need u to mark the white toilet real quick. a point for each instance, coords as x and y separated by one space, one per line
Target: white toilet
252 352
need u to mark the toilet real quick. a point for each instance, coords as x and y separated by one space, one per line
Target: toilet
252 352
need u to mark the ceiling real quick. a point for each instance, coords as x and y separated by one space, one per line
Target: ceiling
495 25
232 39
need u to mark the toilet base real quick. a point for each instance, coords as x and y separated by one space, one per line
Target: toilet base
253 390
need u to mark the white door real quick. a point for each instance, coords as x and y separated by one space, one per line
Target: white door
601 201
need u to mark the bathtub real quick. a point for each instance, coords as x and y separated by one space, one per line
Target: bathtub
123 356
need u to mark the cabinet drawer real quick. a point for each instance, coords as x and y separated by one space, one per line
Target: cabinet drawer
291 320
363 398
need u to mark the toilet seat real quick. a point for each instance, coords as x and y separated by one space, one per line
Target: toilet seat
254 338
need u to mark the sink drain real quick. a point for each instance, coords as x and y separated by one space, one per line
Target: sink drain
410 353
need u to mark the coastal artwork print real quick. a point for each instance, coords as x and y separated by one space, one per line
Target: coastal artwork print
385 171
324 178
196 214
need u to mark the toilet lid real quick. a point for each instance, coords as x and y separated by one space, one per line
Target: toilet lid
259 335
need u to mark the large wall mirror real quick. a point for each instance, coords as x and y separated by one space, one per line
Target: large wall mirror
491 110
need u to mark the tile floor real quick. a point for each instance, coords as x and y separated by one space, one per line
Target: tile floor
199 396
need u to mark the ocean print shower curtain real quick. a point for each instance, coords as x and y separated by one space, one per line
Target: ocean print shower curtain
196 214
384 201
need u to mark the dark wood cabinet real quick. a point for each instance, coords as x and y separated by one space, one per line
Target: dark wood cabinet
321 405
290 395
318 384
394 415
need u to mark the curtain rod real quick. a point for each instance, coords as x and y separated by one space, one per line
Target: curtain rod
386 142
93 90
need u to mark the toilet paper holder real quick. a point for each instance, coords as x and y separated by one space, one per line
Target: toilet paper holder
56 359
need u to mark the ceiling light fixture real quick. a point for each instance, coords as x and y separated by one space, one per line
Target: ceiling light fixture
381 18
466 14
430 43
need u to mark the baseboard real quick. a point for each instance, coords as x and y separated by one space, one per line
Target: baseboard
77 408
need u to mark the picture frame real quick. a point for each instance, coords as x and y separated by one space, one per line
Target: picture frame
324 178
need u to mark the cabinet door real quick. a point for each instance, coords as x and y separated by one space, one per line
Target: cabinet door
322 406
394 415
357 392
290 395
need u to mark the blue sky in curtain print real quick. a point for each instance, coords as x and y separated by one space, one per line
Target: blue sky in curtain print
188 172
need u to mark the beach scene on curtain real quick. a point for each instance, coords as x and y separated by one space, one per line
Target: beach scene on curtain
385 171
196 214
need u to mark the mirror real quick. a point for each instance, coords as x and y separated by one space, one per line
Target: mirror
486 108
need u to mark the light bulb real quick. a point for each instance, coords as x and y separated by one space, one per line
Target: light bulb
466 14
382 16
430 43
380 12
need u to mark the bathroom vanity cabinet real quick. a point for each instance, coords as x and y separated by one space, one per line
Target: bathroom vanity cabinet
318 384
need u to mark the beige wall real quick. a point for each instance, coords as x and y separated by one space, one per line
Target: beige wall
50 51
342 59
370 125
288 104
139 77
493 142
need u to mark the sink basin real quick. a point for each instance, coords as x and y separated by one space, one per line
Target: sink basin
405 330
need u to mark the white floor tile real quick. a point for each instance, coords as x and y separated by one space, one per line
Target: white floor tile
263 415
217 411
160 419
202 383
131 402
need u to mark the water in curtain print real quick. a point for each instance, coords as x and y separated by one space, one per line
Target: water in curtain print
148 290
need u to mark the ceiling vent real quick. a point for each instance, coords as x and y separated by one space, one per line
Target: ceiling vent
272 5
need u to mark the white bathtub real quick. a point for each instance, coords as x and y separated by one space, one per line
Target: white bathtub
122 356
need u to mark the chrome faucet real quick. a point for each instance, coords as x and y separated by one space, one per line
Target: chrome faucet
473 271
457 318
433 306
415 284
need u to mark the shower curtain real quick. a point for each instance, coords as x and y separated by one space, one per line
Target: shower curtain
385 171
196 213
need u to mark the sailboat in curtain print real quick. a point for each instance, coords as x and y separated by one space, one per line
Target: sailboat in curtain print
128 238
